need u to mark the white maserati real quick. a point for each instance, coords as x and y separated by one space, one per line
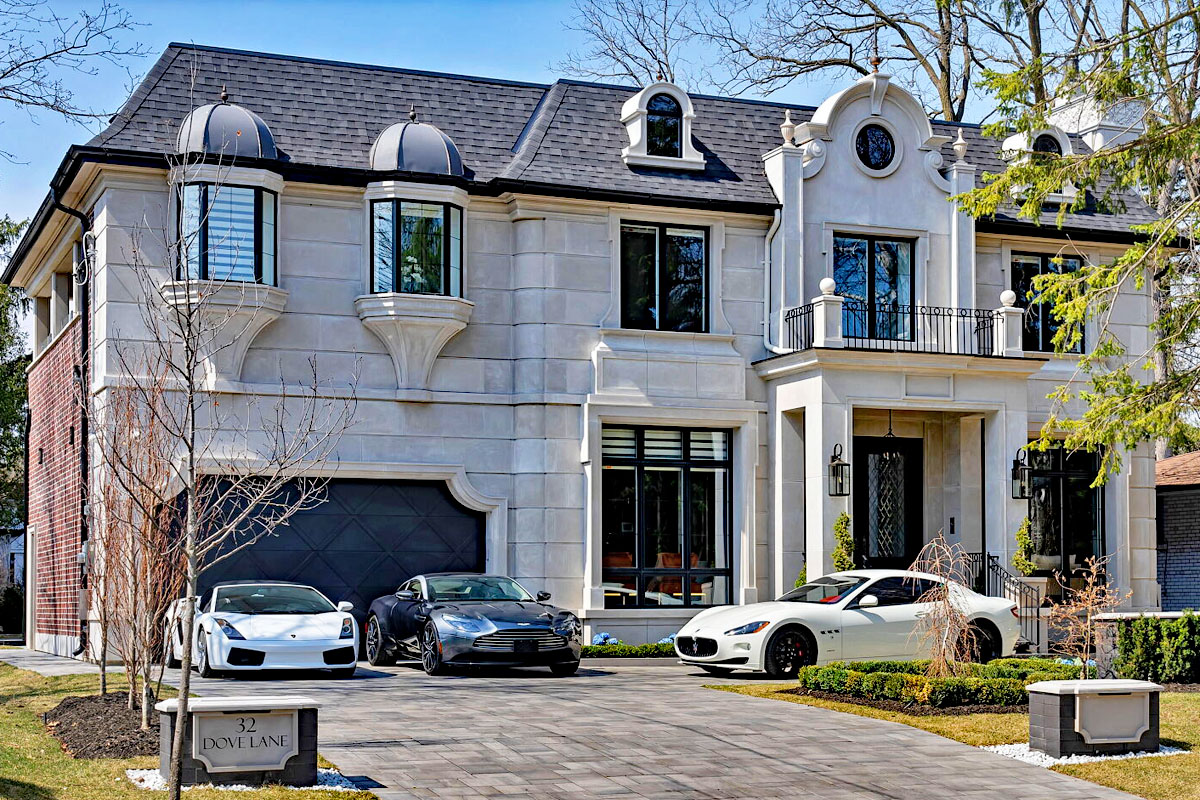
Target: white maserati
253 625
847 616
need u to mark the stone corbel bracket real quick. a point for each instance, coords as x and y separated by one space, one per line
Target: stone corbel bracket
228 316
414 328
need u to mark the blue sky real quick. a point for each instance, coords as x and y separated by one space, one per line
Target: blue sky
518 40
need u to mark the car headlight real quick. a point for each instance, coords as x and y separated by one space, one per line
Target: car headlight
568 626
462 623
347 628
749 627
228 629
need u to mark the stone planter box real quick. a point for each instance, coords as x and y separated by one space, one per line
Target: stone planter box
1093 717
243 740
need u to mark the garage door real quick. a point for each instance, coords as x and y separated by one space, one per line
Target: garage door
364 541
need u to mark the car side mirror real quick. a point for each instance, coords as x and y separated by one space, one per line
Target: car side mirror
543 597
345 606
868 601
405 594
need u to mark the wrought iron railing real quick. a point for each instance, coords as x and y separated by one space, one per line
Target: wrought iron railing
919 329
798 327
1002 583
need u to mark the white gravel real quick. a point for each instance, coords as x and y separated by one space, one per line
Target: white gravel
1021 752
329 779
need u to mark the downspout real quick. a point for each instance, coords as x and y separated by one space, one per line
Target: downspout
85 225
27 632
767 276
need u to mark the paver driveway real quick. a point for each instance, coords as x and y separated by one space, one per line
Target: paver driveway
633 732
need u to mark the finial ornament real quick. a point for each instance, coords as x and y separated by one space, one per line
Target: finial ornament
787 127
960 146
875 60
412 113
224 94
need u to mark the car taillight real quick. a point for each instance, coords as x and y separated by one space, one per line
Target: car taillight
1016 614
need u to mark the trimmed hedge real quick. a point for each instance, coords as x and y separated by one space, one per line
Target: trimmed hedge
655 650
1161 650
998 683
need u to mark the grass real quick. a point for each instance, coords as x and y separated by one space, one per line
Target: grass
34 767
1170 778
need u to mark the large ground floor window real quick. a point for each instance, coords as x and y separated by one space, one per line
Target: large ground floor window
1066 514
666 517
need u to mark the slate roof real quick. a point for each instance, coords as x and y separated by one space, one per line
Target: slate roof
1180 470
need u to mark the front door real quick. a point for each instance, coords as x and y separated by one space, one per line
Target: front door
887 501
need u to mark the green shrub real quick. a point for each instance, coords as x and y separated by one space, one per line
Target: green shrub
1154 649
843 537
907 683
654 650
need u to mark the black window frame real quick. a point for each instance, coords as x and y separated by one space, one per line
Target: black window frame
873 309
1047 325
447 239
182 269
661 304
641 574
676 115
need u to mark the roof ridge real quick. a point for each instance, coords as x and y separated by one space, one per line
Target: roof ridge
534 132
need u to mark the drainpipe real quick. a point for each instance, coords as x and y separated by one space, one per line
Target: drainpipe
767 276
85 225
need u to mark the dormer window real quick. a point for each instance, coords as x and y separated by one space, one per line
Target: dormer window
658 120
664 126
1047 143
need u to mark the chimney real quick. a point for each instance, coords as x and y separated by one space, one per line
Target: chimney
1099 125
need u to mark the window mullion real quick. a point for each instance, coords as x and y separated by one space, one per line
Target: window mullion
258 240
202 237
660 289
396 222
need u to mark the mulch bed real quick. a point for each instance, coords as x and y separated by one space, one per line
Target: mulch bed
1182 688
102 727
914 710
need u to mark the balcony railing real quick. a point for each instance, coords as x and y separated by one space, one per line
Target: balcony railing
919 329
798 327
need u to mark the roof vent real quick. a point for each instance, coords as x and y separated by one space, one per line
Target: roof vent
416 147
225 129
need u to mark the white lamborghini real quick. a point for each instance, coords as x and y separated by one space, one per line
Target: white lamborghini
847 616
254 625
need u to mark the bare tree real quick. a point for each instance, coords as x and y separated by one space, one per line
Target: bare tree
39 47
1074 619
637 40
945 629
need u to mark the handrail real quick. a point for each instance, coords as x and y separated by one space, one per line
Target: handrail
798 327
1002 583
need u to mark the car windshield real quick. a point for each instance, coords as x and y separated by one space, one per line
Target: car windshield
271 600
474 587
828 590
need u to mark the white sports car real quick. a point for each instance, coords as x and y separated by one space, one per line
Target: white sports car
847 616
253 625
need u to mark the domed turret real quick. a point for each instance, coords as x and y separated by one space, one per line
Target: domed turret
225 129
416 147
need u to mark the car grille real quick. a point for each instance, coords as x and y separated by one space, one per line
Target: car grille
241 657
513 639
697 646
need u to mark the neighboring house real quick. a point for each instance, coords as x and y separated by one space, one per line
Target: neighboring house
12 550
627 333
1178 482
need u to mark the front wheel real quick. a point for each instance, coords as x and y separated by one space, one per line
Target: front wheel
431 651
377 655
169 645
565 668
788 650
203 667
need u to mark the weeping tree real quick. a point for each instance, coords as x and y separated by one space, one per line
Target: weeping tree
1139 65
945 629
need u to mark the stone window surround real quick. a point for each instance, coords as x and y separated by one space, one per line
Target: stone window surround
742 424
717 323
897 143
920 254
421 193
633 117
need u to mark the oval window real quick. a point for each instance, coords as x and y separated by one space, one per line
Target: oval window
875 146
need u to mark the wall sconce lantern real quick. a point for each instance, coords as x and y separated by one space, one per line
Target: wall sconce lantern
1022 478
839 474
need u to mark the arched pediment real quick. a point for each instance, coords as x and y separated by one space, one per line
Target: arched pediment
876 87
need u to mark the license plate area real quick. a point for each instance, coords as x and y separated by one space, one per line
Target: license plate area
520 646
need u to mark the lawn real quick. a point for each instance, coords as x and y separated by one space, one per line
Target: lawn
1170 778
34 767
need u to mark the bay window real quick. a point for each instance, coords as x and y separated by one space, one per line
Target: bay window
228 233
416 247
666 517
664 277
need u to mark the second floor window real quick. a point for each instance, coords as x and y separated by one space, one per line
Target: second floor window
227 233
663 277
416 248
875 275
1040 324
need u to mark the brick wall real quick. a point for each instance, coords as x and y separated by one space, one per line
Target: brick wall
55 443
1179 549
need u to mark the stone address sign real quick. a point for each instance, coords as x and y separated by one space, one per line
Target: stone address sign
238 741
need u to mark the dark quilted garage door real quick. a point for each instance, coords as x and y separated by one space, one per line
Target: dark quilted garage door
364 541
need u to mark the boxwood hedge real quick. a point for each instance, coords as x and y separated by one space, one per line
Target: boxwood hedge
655 650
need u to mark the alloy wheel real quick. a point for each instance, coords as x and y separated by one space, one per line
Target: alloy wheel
373 640
431 655
788 652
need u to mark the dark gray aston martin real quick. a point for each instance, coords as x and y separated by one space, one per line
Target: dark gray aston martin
464 619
